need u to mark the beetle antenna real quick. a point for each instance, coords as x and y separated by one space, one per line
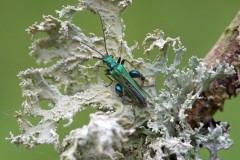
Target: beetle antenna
85 45
104 37
92 48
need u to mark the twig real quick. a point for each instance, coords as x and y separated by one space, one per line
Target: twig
226 49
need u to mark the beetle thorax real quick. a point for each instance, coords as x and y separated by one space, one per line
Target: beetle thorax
110 62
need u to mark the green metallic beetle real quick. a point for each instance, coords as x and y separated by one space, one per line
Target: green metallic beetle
126 85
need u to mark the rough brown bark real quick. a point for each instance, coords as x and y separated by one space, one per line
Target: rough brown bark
227 49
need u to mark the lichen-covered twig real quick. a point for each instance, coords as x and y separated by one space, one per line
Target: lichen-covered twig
227 49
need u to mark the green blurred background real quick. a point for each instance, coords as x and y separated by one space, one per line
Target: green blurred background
198 23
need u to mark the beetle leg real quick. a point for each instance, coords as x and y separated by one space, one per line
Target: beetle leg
103 67
110 80
125 60
137 74
119 60
119 90
106 74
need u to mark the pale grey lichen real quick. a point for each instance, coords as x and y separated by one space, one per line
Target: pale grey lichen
98 139
165 147
117 130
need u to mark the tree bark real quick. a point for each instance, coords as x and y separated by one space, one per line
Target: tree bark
227 49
